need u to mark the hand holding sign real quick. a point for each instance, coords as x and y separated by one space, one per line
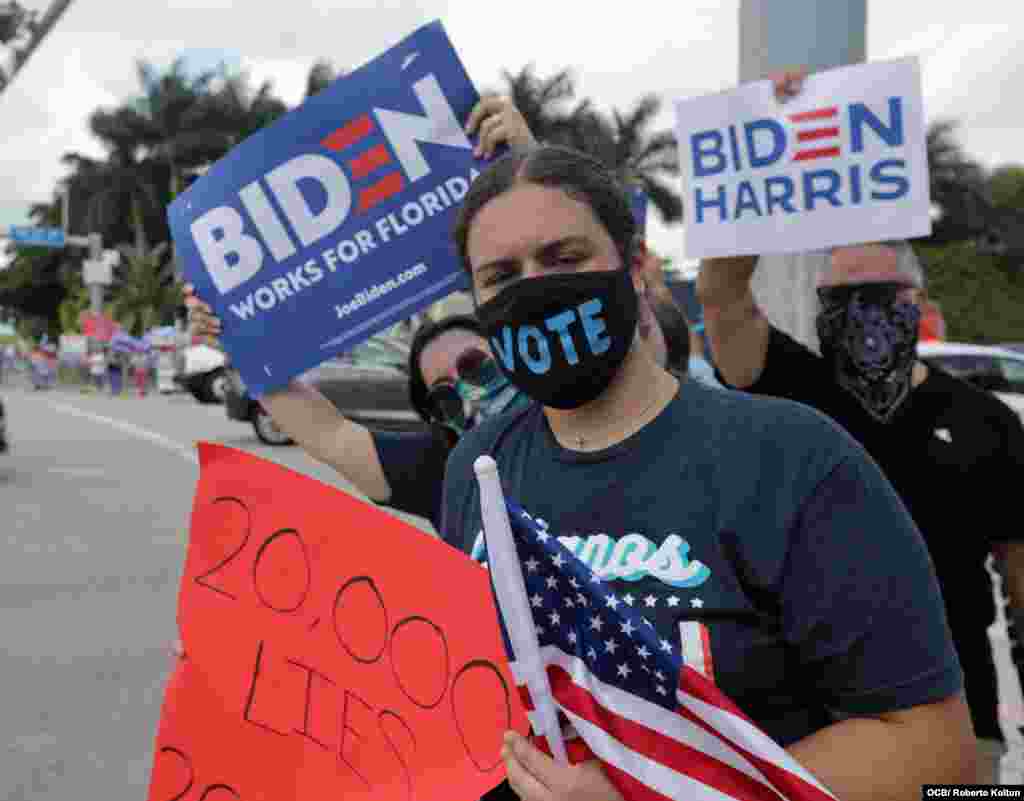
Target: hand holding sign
331 651
498 122
201 319
844 162
334 222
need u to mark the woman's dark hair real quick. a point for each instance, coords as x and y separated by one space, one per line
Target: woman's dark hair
426 334
676 330
581 177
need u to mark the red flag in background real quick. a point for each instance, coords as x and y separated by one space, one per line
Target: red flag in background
331 651
933 324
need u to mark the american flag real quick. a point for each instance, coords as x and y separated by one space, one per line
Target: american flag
660 726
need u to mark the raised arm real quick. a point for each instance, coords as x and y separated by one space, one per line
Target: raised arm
306 416
737 329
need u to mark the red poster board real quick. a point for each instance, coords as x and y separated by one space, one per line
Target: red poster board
331 651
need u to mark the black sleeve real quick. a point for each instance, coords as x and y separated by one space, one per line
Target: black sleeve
1008 461
791 370
413 464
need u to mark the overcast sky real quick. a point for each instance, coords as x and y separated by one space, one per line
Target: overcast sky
970 55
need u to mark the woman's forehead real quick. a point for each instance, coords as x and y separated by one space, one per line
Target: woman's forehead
451 344
524 218
863 264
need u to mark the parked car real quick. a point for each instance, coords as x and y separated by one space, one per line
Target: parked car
368 384
203 372
998 370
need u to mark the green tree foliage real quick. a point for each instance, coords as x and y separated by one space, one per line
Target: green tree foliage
33 282
145 291
1006 187
320 76
621 141
981 300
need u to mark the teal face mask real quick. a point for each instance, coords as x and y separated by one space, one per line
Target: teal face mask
482 391
491 393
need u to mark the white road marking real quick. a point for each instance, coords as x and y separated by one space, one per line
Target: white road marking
78 472
159 440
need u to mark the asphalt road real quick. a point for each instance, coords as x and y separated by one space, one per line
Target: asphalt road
96 496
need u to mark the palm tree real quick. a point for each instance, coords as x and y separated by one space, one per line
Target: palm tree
238 110
621 141
321 75
173 122
541 101
70 310
957 186
119 198
622 144
642 158
146 291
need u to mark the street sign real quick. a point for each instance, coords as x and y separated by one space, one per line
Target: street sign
38 237
97 271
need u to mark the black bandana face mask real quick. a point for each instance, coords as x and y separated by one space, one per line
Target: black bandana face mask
870 337
561 338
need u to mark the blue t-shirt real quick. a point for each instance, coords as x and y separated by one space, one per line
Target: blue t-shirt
760 519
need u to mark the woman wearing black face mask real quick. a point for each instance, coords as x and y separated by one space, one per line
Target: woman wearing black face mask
700 503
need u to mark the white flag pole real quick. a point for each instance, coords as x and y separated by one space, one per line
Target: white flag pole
510 591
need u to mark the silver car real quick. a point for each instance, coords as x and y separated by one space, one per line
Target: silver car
369 384
997 370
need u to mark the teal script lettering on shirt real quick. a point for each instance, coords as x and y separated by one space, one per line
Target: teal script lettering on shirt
634 557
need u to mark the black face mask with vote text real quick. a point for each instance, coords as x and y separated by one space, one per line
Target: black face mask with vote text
561 338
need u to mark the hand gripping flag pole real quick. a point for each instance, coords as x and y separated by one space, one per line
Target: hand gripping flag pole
510 594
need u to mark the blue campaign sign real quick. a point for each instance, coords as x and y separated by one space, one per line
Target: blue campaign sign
37 237
335 222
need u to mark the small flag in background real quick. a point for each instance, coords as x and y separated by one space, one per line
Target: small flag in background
648 711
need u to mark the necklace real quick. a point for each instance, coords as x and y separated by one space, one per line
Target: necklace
581 441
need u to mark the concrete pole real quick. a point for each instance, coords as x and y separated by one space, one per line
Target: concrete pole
65 209
781 34
96 290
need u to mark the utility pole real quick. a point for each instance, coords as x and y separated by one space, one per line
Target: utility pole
95 276
784 34
38 31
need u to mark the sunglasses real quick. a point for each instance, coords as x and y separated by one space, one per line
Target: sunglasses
446 398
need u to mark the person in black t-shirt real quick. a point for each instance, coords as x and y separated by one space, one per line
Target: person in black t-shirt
944 445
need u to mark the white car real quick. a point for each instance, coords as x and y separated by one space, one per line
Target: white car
998 370
203 372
